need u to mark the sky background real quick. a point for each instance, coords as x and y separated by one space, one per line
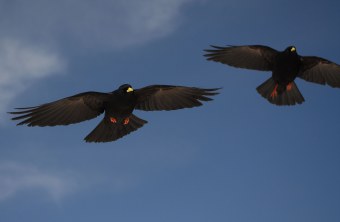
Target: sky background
237 158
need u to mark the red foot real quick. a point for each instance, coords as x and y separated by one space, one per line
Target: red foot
289 86
274 93
126 120
113 120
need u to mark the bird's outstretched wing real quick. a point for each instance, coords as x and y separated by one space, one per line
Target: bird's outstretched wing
167 97
319 70
73 109
256 57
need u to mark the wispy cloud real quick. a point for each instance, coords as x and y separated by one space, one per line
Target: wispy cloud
20 65
29 29
104 24
16 177
56 185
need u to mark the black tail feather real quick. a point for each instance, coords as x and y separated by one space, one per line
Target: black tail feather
284 97
107 131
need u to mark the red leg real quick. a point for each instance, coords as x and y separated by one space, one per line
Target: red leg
126 120
274 93
113 120
289 86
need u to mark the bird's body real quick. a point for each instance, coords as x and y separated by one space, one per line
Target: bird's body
120 105
117 106
285 66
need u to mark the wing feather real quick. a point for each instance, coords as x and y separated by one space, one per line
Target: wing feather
319 70
167 97
69 110
256 57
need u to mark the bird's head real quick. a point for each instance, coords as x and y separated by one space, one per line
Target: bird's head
126 88
291 49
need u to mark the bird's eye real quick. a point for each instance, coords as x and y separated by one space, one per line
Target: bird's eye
130 89
293 49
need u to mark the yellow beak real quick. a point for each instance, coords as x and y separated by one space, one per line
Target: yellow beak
129 89
293 49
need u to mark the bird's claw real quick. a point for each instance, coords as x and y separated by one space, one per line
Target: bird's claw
126 120
113 120
274 93
289 86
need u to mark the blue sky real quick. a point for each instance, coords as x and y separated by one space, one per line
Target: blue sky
237 158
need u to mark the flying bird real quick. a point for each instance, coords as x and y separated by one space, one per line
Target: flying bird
285 66
117 107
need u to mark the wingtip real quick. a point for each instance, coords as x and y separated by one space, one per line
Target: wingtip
219 47
22 110
214 90
215 47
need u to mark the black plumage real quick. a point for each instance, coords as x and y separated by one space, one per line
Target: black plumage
118 106
285 66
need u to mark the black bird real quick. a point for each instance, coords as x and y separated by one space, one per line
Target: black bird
118 106
280 89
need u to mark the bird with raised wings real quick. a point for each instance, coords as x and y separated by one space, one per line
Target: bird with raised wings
285 66
117 107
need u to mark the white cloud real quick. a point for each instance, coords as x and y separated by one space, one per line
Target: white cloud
27 27
152 18
97 24
20 64
16 177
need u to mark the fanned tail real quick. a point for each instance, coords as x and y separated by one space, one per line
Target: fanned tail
107 131
282 96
